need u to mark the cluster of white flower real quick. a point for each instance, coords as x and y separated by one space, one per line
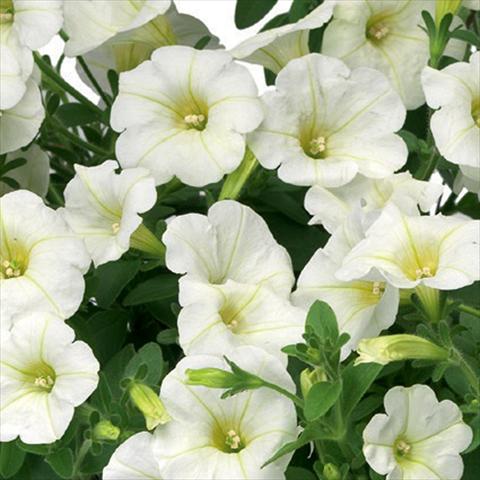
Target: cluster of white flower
331 124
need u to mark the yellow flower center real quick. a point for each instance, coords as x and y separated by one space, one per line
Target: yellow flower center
233 441
6 11
196 121
378 31
401 448
230 316
378 288
115 228
476 111
13 260
423 272
41 375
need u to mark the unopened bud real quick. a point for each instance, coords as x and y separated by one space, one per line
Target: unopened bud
211 377
444 7
149 403
309 377
331 472
392 348
105 430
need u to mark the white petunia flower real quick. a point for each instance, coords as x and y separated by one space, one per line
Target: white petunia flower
127 50
89 23
25 25
435 251
324 124
185 114
455 90
472 4
418 437
34 175
363 307
102 207
133 460
217 439
330 207
274 48
20 124
44 374
231 243
42 261
469 178
385 35
217 319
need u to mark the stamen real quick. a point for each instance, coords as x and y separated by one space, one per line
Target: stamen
423 273
9 272
233 440
195 121
403 448
378 31
318 145
6 17
232 325
44 382
115 228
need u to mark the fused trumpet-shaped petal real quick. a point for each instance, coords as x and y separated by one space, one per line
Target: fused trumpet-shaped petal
275 47
42 261
439 252
455 91
363 307
418 437
44 374
231 243
324 124
89 23
133 460
25 25
330 207
213 438
217 319
126 50
34 175
469 178
185 114
386 36
103 207
20 124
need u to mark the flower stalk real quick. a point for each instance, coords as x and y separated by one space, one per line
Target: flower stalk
235 182
145 241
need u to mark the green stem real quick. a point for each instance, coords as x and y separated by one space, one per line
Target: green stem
296 400
236 180
468 309
53 75
76 140
145 241
467 370
55 194
82 452
93 81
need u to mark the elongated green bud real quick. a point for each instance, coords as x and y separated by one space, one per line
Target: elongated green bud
149 403
392 348
444 7
211 377
105 430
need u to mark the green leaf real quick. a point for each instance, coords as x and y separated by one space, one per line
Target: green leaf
356 381
299 473
151 356
62 462
321 397
11 459
13 164
105 332
112 279
168 336
248 12
321 319
202 43
161 287
75 114
300 8
467 36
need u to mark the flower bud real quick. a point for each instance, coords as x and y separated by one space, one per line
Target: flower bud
392 348
309 377
331 472
105 430
149 403
444 7
211 377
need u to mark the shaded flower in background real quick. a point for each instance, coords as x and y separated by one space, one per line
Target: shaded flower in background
103 207
185 105
418 437
325 124
455 91
34 175
232 242
275 47
20 124
44 374
42 261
